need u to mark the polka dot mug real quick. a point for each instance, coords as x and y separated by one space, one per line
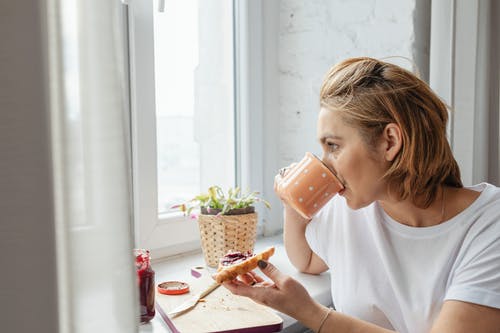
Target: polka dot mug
308 186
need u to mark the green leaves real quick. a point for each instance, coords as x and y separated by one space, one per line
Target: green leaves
216 199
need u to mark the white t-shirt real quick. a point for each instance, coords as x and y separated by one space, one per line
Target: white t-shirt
398 276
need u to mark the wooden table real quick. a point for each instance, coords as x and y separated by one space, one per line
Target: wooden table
220 311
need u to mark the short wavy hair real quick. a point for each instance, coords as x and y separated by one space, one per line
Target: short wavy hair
370 94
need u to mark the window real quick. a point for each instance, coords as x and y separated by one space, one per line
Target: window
194 98
183 113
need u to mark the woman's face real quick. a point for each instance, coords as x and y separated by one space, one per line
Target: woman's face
359 167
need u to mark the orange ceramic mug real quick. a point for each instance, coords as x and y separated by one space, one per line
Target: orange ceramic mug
308 186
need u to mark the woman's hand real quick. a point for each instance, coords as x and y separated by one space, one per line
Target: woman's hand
278 179
282 293
297 248
288 296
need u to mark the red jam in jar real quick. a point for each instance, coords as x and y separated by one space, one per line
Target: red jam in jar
146 283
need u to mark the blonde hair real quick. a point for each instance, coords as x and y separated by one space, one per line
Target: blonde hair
370 94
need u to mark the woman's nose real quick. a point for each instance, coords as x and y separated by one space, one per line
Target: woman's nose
323 157
328 163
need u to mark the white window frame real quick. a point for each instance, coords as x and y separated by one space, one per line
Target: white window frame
170 235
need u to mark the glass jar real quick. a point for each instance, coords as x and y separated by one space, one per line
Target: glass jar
146 283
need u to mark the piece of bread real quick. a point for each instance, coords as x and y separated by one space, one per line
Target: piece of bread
237 263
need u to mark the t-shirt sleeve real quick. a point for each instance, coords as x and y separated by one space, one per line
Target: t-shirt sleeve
477 277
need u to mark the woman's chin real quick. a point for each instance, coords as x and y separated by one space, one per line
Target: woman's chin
353 204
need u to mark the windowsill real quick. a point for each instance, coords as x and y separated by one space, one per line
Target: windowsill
179 268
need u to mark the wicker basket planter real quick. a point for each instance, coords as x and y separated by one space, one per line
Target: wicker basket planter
222 233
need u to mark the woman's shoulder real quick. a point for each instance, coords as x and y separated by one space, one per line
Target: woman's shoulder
483 194
483 213
478 197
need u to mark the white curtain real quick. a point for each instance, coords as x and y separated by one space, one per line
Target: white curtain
464 70
90 147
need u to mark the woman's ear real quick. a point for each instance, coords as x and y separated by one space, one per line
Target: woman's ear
392 141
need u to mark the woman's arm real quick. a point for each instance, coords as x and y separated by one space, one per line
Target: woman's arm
463 317
297 248
288 296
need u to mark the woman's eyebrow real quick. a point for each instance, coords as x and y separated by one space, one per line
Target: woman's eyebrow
332 137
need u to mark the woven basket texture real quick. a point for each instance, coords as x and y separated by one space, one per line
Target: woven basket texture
222 233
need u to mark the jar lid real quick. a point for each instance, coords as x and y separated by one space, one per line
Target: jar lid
173 288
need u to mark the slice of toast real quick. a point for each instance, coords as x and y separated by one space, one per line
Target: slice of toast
228 271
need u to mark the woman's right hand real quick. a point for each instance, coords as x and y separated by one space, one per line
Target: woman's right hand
278 180
297 248
289 212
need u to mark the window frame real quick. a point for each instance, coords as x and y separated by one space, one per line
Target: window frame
154 231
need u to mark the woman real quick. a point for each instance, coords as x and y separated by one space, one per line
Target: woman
409 248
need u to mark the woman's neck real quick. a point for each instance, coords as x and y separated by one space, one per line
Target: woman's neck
407 213
449 202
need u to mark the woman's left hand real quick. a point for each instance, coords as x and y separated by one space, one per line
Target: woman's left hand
282 293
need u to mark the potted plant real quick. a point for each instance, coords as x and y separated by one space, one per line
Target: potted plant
227 221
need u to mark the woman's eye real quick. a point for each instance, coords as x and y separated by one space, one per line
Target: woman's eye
332 146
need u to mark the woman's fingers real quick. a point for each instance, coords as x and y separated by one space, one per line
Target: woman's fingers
271 271
239 288
278 179
247 278
282 171
282 292
250 278
256 276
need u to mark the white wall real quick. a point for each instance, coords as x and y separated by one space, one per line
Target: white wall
313 38
302 40
28 299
